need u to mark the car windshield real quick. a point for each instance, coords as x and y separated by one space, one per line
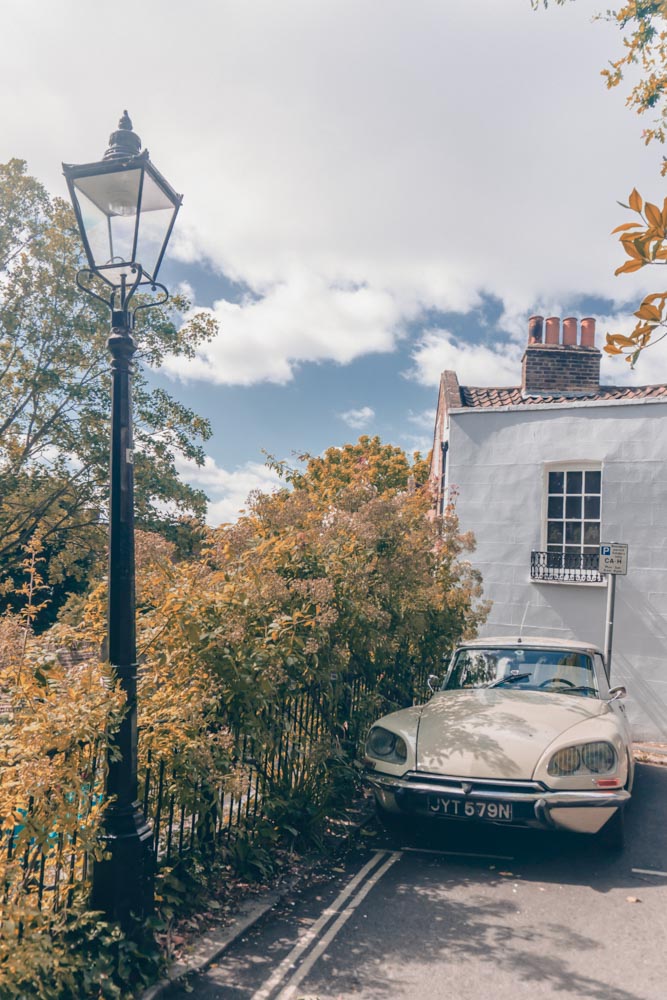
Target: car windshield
522 668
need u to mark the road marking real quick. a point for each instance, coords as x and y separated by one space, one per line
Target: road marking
459 854
649 871
306 939
290 989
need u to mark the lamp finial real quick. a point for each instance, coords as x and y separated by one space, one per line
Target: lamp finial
123 142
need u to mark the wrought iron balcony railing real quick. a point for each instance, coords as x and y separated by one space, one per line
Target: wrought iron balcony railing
565 567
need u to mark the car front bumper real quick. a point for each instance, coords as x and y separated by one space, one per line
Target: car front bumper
533 805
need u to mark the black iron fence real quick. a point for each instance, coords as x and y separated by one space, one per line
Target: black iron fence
565 567
187 811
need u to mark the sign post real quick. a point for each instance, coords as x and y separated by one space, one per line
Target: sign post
613 562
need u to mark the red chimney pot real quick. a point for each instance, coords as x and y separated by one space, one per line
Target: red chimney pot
588 332
553 330
535 324
570 331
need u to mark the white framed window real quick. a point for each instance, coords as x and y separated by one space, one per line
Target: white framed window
573 501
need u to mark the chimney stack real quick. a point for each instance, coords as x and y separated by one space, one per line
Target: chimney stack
567 367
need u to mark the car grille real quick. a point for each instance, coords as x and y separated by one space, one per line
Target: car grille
472 785
419 801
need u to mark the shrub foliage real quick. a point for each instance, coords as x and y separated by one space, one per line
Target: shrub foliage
338 599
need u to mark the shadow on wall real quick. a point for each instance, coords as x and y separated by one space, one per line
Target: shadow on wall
639 655
639 659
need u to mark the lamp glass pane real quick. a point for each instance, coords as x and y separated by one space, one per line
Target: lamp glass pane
156 214
114 192
96 226
122 237
109 211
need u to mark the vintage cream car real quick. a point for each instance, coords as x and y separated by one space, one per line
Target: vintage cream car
522 731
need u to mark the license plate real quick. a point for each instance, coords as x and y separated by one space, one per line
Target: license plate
495 812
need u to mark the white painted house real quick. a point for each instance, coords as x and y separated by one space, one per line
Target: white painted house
545 471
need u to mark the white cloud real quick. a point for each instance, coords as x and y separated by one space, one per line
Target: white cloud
474 364
358 418
228 491
419 437
425 419
651 366
302 319
350 162
477 364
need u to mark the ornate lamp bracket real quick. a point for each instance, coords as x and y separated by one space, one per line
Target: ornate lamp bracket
164 297
119 297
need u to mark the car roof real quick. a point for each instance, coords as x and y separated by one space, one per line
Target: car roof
531 641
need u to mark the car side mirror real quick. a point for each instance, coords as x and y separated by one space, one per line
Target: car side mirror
433 683
617 693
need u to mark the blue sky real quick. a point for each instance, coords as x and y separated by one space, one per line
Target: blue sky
374 190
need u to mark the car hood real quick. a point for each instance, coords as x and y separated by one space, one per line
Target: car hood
497 732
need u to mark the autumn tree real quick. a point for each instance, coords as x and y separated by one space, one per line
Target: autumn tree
55 395
325 579
644 241
384 467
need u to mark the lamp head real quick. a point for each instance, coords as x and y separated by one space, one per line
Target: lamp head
125 210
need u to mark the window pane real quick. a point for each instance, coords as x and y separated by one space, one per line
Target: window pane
573 532
574 482
574 555
555 532
593 482
592 551
573 507
592 508
556 482
592 533
555 508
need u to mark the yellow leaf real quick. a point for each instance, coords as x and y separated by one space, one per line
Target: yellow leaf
649 312
630 242
626 225
630 265
653 214
635 201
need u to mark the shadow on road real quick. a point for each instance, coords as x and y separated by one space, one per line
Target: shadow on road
565 858
442 924
449 920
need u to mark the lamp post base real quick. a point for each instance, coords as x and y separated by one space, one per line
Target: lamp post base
123 881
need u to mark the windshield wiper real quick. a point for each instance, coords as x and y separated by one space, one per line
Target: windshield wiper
510 679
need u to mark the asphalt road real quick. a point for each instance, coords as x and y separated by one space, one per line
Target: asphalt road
472 913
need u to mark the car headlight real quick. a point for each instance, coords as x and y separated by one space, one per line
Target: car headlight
594 758
384 745
598 757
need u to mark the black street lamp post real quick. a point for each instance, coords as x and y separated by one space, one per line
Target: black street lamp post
125 211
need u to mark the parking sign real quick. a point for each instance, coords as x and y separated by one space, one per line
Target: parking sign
614 559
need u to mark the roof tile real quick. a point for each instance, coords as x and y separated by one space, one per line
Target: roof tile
488 397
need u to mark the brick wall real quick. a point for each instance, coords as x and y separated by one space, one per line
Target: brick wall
556 368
